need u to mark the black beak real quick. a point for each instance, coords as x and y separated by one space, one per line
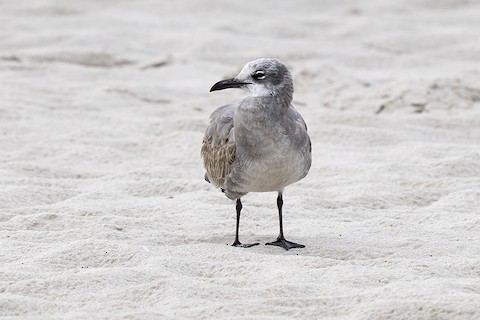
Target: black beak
229 83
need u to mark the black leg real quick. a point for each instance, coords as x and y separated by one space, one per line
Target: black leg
237 242
281 242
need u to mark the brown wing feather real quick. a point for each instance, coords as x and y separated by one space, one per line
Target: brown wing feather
218 147
217 160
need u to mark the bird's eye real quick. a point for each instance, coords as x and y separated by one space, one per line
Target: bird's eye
259 75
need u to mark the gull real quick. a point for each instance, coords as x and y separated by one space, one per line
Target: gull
260 144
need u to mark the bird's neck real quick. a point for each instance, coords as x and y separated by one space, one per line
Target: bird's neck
283 99
274 103
283 95
279 99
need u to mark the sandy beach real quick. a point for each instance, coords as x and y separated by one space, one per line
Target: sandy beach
104 212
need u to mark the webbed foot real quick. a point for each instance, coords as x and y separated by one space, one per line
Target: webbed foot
248 245
285 244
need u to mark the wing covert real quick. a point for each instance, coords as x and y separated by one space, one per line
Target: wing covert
218 147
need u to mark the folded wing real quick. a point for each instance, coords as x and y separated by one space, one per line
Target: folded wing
218 147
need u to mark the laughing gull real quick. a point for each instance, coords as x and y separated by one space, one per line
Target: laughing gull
259 144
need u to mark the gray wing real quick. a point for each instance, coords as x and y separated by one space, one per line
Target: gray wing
218 147
300 128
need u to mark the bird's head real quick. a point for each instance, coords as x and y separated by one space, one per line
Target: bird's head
261 77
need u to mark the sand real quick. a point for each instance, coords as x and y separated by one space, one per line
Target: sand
104 213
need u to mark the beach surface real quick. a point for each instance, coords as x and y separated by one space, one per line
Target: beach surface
104 212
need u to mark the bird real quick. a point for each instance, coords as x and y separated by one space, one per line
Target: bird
259 144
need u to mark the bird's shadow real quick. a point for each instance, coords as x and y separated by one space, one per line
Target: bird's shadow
342 249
